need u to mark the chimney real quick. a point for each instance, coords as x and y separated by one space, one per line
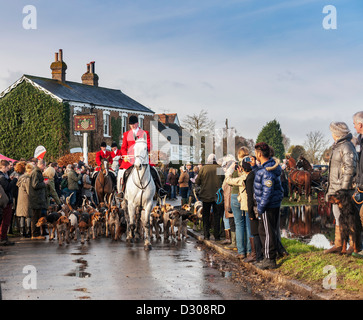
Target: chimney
59 67
92 67
90 78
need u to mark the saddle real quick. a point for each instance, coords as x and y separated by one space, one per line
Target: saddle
154 175
111 173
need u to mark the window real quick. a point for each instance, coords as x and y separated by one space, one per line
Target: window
141 122
77 110
124 123
106 124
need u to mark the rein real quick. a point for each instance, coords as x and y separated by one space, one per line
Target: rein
140 186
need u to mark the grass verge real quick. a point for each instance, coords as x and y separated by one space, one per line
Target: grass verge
312 266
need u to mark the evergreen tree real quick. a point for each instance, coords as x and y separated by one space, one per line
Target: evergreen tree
272 135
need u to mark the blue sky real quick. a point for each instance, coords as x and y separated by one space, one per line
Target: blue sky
246 60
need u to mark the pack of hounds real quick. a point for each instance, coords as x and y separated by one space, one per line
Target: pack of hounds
109 219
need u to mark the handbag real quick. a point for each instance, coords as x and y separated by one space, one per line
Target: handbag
219 196
4 199
85 184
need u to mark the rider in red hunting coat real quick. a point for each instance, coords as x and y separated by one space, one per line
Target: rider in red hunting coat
103 154
127 148
127 151
116 157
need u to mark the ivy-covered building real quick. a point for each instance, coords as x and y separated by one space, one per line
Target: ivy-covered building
39 111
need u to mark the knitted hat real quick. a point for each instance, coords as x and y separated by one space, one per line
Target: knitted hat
339 129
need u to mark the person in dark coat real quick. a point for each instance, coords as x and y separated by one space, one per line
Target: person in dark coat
7 211
209 182
269 194
173 180
358 126
37 198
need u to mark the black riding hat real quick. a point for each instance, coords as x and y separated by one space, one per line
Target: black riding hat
133 120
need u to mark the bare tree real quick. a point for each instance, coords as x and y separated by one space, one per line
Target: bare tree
315 145
199 123
202 129
285 141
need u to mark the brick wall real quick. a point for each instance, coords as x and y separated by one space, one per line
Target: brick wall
96 137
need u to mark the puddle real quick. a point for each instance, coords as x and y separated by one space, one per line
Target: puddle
78 274
239 282
303 222
83 263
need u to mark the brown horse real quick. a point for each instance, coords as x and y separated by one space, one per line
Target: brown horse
298 179
316 177
103 185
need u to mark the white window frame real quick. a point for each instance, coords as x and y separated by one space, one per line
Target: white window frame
124 117
106 124
141 121
77 110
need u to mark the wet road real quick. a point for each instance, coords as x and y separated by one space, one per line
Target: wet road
106 270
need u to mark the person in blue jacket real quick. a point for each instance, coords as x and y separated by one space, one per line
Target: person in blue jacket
268 193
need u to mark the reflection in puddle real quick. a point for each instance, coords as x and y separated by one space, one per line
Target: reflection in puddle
303 222
79 272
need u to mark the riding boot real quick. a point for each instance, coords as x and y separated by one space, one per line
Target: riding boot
228 237
233 245
337 248
159 190
28 232
22 232
252 256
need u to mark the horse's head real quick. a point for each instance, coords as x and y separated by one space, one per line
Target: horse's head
104 166
300 163
140 152
304 163
291 163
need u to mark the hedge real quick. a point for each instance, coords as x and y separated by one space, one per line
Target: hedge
29 118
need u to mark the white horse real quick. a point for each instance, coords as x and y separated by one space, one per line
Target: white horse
139 192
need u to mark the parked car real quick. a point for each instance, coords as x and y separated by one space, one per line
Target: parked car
322 167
